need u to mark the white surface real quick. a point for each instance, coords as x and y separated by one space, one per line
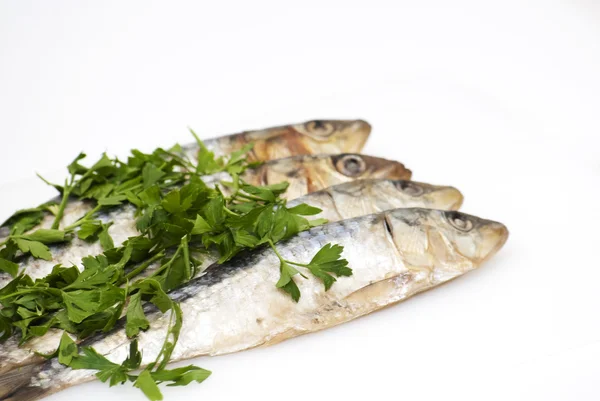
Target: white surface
501 101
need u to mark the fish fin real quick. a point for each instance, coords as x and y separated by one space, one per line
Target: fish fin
379 291
14 385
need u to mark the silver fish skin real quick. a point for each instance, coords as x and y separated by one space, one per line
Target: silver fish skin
344 201
305 174
394 255
362 197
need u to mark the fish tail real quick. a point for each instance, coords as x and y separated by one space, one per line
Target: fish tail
16 384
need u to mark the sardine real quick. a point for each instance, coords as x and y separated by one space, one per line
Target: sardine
352 199
362 197
236 306
311 137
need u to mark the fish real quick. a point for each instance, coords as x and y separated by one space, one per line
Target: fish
348 200
310 137
305 174
361 197
236 306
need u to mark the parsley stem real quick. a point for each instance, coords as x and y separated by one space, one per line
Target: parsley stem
83 219
188 164
22 292
272 245
186 258
231 213
198 141
251 197
175 321
285 260
169 263
297 264
63 204
143 266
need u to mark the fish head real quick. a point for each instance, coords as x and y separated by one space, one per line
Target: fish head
354 166
363 197
474 238
431 196
333 136
444 244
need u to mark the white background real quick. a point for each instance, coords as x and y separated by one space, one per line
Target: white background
500 99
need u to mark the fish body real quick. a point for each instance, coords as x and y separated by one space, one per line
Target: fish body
310 137
236 306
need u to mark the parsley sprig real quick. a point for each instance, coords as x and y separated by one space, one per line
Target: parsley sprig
325 265
181 220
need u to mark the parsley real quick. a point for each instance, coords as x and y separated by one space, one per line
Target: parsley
9 267
33 243
324 265
147 380
180 219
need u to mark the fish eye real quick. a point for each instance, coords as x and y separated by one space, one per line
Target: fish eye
459 221
410 188
319 128
351 165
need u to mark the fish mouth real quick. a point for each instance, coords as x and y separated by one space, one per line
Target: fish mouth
452 198
495 236
352 134
359 131
334 136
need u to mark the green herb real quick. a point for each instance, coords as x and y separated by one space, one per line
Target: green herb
9 267
33 243
324 265
180 219
147 380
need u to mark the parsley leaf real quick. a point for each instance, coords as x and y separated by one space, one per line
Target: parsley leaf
136 320
181 376
9 267
106 240
201 226
36 248
146 383
151 174
290 286
80 304
111 200
107 370
305 210
67 349
89 229
327 262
